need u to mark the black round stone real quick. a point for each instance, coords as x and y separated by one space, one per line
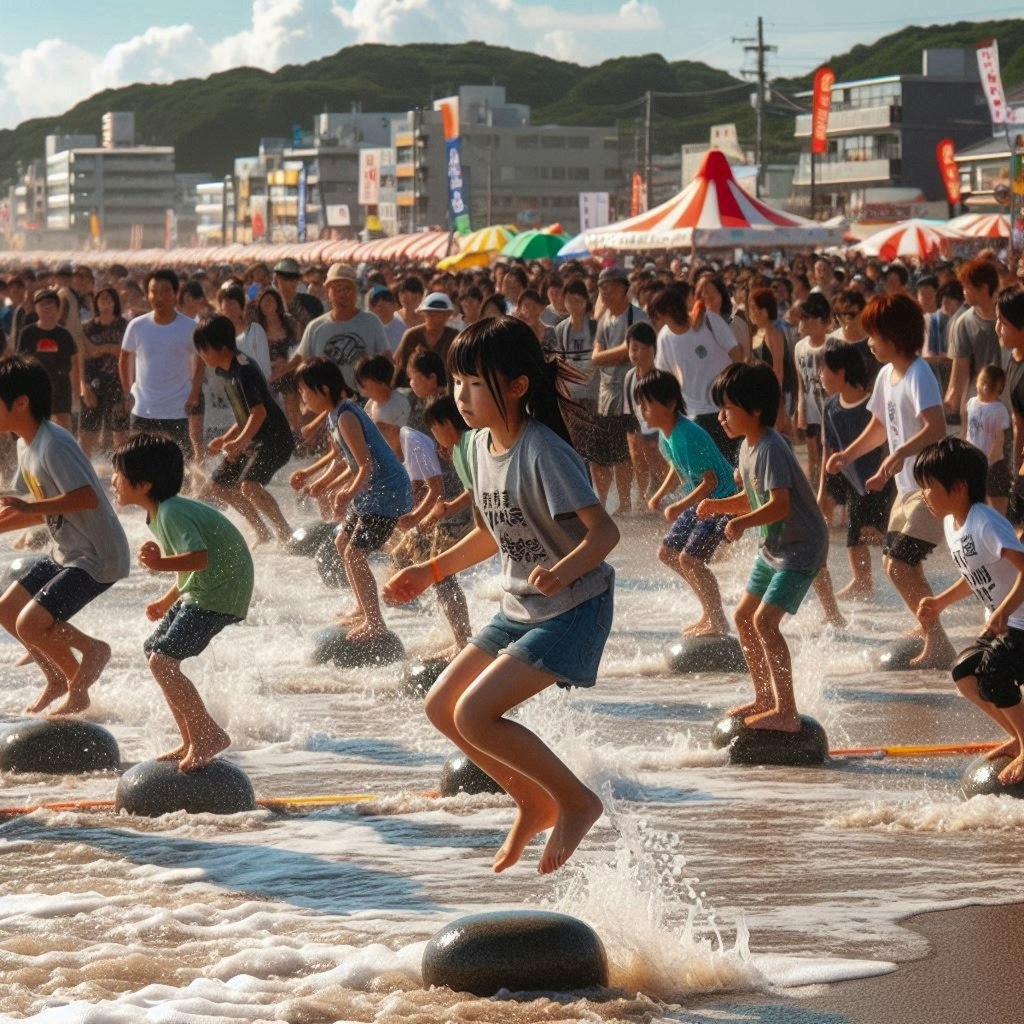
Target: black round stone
695 654
897 655
809 746
420 676
153 788
308 538
461 775
333 645
18 568
520 951
58 746
981 778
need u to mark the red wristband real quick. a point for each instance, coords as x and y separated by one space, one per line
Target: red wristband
436 570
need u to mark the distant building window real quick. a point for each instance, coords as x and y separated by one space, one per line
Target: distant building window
526 142
579 174
558 174
579 142
552 141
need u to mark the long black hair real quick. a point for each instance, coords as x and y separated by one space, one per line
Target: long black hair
506 346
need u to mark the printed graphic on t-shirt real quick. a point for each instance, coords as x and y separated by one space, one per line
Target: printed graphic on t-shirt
344 348
979 579
500 513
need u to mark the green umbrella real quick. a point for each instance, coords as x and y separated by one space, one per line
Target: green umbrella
534 245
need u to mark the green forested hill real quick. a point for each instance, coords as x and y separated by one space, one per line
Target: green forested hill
211 121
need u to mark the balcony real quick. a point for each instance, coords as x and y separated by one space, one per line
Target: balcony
856 119
847 172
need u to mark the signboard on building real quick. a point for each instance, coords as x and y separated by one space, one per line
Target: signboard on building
595 210
458 193
945 153
992 83
638 195
258 217
338 215
824 79
369 177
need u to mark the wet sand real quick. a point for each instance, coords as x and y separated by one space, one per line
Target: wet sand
971 975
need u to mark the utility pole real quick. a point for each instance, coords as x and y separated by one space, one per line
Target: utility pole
648 169
757 46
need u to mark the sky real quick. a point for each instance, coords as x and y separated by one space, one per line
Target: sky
58 52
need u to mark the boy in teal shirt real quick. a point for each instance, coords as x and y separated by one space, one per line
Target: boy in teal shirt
214 587
696 462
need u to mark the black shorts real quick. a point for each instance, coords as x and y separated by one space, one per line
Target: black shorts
62 590
871 509
110 410
813 430
997 662
176 430
258 463
368 532
611 446
185 631
999 482
1015 511
837 488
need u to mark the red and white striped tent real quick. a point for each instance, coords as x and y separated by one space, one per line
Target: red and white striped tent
982 225
914 238
712 212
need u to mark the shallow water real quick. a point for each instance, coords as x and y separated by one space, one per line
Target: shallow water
700 878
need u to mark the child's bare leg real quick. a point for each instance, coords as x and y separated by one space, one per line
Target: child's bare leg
705 585
656 467
1013 722
453 602
912 586
624 485
754 655
234 497
537 810
206 738
602 476
479 718
14 600
783 716
827 597
860 563
638 457
364 586
264 502
968 686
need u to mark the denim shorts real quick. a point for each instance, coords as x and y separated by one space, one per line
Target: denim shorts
186 630
784 588
568 647
698 538
62 591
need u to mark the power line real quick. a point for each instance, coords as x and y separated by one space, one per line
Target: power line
758 46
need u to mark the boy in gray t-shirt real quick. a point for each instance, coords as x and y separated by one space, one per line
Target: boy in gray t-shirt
777 498
90 548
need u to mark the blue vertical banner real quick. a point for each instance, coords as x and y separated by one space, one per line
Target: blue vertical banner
458 193
300 213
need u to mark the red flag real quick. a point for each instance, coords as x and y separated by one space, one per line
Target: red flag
824 79
944 153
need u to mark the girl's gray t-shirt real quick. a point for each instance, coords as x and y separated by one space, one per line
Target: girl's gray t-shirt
528 498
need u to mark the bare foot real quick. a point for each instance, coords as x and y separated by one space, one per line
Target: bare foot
364 633
1011 748
774 720
263 537
354 618
856 590
51 692
937 653
572 825
742 710
94 661
203 751
174 755
1013 772
836 620
530 822
707 627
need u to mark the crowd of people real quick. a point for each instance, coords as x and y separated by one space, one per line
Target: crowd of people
445 418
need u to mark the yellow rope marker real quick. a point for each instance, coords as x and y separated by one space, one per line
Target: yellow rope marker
916 750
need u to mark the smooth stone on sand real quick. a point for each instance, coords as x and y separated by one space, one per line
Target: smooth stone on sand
420 676
153 788
517 950
461 775
58 746
809 746
896 656
18 568
307 539
332 644
329 563
694 654
981 778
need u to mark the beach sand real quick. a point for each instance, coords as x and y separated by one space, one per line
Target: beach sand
972 975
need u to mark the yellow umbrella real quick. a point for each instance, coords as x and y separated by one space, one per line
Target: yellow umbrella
464 260
490 239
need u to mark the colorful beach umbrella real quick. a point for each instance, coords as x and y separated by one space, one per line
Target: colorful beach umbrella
535 245
574 249
914 238
982 225
489 239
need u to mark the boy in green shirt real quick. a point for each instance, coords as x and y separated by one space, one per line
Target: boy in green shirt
214 587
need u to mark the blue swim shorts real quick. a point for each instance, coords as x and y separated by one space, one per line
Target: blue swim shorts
185 631
784 588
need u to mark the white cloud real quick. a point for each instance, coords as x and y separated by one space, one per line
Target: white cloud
160 54
45 79
384 21
276 27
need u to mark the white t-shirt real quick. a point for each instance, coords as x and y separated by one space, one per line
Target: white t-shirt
809 359
632 406
163 365
697 357
977 548
899 407
252 342
394 411
393 331
419 455
986 424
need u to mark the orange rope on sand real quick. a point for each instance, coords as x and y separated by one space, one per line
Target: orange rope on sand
916 750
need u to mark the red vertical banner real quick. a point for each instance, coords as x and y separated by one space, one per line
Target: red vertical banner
824 79
638 195
945 152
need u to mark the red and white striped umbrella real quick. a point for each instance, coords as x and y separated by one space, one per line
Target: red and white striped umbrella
713 211
919 239
982 225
